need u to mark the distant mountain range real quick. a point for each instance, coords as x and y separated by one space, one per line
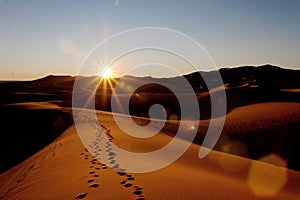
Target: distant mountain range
262 76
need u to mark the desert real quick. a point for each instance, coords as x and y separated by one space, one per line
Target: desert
255 157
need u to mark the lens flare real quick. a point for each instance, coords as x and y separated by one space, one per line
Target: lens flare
266 180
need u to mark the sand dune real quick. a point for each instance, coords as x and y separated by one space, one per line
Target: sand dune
65 170
257 130
28 127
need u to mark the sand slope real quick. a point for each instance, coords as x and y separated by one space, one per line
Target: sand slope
65 170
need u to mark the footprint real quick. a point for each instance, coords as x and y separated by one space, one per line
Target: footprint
81 196
123 182
128 185
116 166
138 188
130 178
96 175
121 173
112 162
92 172
90 181
138 192
94 185
111 154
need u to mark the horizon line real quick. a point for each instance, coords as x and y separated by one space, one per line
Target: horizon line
207 71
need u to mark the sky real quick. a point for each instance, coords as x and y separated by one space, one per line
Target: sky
40 37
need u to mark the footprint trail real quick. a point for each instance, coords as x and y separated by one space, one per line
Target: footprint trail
126 179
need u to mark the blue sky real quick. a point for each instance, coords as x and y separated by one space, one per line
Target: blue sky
42 37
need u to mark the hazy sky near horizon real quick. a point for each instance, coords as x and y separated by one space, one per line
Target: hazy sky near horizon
42 37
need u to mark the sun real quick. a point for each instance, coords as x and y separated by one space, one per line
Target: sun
106 73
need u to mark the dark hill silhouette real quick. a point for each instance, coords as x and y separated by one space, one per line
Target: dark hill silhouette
244 85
